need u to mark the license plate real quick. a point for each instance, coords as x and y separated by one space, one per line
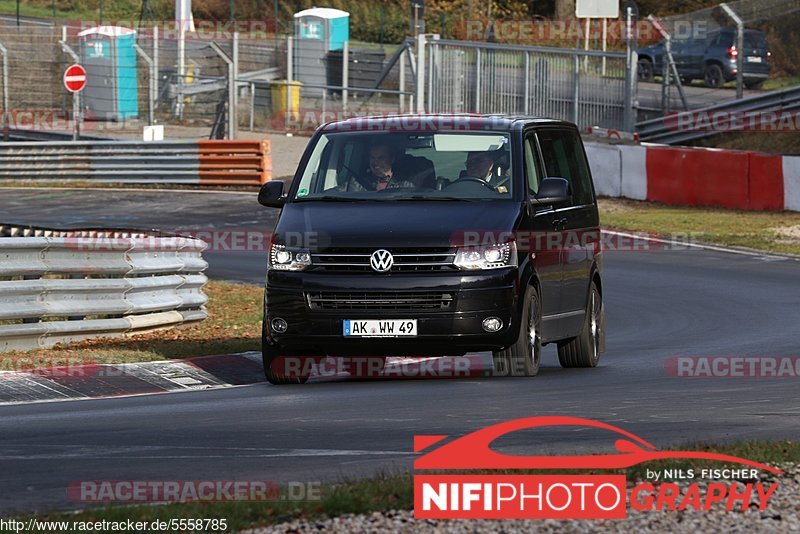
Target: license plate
379 327
753 59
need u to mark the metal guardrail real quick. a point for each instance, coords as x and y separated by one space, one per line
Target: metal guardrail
665 129
61 289
215 162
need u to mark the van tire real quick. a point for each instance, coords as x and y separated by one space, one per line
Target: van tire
524 356
584 350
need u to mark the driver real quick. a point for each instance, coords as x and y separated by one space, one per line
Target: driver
481 165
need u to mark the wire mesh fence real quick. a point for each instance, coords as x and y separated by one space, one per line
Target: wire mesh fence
191 85
585 87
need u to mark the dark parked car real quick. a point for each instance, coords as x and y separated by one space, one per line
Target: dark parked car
712 58
428 235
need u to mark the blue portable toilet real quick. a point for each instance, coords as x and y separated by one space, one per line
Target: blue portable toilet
318 31
111 91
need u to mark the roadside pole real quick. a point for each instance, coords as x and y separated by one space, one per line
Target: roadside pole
74 82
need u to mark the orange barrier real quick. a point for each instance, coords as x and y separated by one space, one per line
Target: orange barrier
234 162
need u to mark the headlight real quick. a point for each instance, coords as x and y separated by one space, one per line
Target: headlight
489 257
284 259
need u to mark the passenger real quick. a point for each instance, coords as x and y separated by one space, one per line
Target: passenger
381 174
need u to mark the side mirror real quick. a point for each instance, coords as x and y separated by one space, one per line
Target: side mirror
271 194
553 191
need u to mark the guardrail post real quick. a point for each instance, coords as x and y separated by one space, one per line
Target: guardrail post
155 62
477 80
181 68
433 67
631 65
421 73
231 90
6 126
402 81
576 88
289 80
76 99
739 47
234 98
150 87
526 88
345 73
252 104
665 82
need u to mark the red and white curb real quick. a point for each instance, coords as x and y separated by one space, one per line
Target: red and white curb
118 380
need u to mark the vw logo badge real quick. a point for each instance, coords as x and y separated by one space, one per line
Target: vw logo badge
381 261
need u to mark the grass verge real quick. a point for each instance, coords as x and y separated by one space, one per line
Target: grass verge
382 493
233 325
776 232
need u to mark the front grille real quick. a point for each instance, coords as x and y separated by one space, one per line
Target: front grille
405 260
387 300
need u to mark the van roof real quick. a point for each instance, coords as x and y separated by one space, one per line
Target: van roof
439 122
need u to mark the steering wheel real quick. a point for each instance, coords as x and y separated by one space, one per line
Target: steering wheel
472 179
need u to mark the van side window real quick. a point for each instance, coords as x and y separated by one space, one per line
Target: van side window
531 167
564 158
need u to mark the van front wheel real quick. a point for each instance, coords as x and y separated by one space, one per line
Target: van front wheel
523 357
584 350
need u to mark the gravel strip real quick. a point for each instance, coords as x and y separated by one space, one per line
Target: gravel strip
782 515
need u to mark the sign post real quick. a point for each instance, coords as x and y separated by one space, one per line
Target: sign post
596 9
74 82
630 12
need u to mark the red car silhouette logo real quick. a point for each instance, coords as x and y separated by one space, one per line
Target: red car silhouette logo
473 451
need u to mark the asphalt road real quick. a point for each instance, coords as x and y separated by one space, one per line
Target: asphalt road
697 96
659 304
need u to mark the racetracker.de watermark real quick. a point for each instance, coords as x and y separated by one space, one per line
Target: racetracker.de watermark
559 31
733 366
48 365
215 241
734 121
193 30
378 367
152 491
308 120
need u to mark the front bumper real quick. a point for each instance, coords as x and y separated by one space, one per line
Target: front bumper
451 331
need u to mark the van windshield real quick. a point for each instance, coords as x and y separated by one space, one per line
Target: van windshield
419 166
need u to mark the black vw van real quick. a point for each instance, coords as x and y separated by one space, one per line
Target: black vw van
426 235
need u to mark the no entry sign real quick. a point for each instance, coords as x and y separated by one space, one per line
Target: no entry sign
74 78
